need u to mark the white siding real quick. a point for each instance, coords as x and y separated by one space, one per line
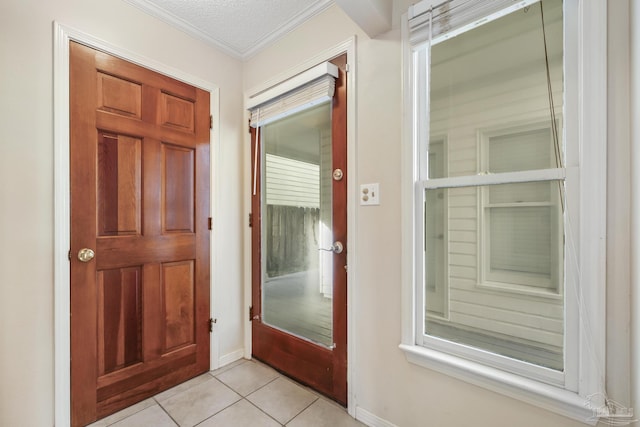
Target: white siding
292 182
326 212
461 112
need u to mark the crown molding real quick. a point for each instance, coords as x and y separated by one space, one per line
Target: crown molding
152 9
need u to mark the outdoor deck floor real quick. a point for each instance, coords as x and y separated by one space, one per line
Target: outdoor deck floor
294 303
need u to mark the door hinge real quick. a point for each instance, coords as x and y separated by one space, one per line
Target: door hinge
211 122
250 220
347 68
211 322
250 313
210 223
69 255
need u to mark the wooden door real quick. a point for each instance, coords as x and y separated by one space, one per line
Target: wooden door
287 295
139 159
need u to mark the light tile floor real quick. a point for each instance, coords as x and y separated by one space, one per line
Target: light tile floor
244 393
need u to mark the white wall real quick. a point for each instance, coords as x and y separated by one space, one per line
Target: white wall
633 48
26 176
386 385
619 184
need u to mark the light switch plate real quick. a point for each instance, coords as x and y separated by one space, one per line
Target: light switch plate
370 194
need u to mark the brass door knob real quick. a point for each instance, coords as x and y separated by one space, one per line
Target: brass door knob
86 254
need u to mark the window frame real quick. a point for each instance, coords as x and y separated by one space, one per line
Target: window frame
513 282
585 117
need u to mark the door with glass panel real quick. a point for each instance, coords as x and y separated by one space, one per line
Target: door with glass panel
299 243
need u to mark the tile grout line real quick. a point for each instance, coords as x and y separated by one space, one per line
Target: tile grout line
223 409
156 401
261 410
304 409
226 407
124 418
167 412
212 415
278 375
259 388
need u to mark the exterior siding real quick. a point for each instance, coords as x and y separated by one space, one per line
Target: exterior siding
291 182
461 113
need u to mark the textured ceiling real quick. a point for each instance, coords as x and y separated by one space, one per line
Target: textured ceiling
239 27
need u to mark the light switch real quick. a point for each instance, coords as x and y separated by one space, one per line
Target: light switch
370 194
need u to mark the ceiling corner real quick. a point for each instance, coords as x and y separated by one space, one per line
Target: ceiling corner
154 10
373 16
306 14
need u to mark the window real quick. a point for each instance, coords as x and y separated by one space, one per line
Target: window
521 225
494 204
436 293
501 281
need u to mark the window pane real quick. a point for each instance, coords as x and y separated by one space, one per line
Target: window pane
297 282
520 151
494 273
494 255
522 229
436 288
495 77
526 192
520 240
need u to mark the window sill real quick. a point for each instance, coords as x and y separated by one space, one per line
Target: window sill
519 289
555 399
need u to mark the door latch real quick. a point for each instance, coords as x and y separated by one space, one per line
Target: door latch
336 248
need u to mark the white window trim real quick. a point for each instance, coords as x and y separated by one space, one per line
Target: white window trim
586 117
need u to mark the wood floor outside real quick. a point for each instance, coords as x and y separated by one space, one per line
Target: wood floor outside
294 303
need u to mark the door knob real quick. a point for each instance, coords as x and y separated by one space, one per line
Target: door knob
86 254
336 248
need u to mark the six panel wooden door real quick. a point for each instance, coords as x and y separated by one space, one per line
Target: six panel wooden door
140 200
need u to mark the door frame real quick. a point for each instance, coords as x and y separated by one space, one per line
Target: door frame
62 35
349 47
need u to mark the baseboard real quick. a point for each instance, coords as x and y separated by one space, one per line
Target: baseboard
230 358
370 419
